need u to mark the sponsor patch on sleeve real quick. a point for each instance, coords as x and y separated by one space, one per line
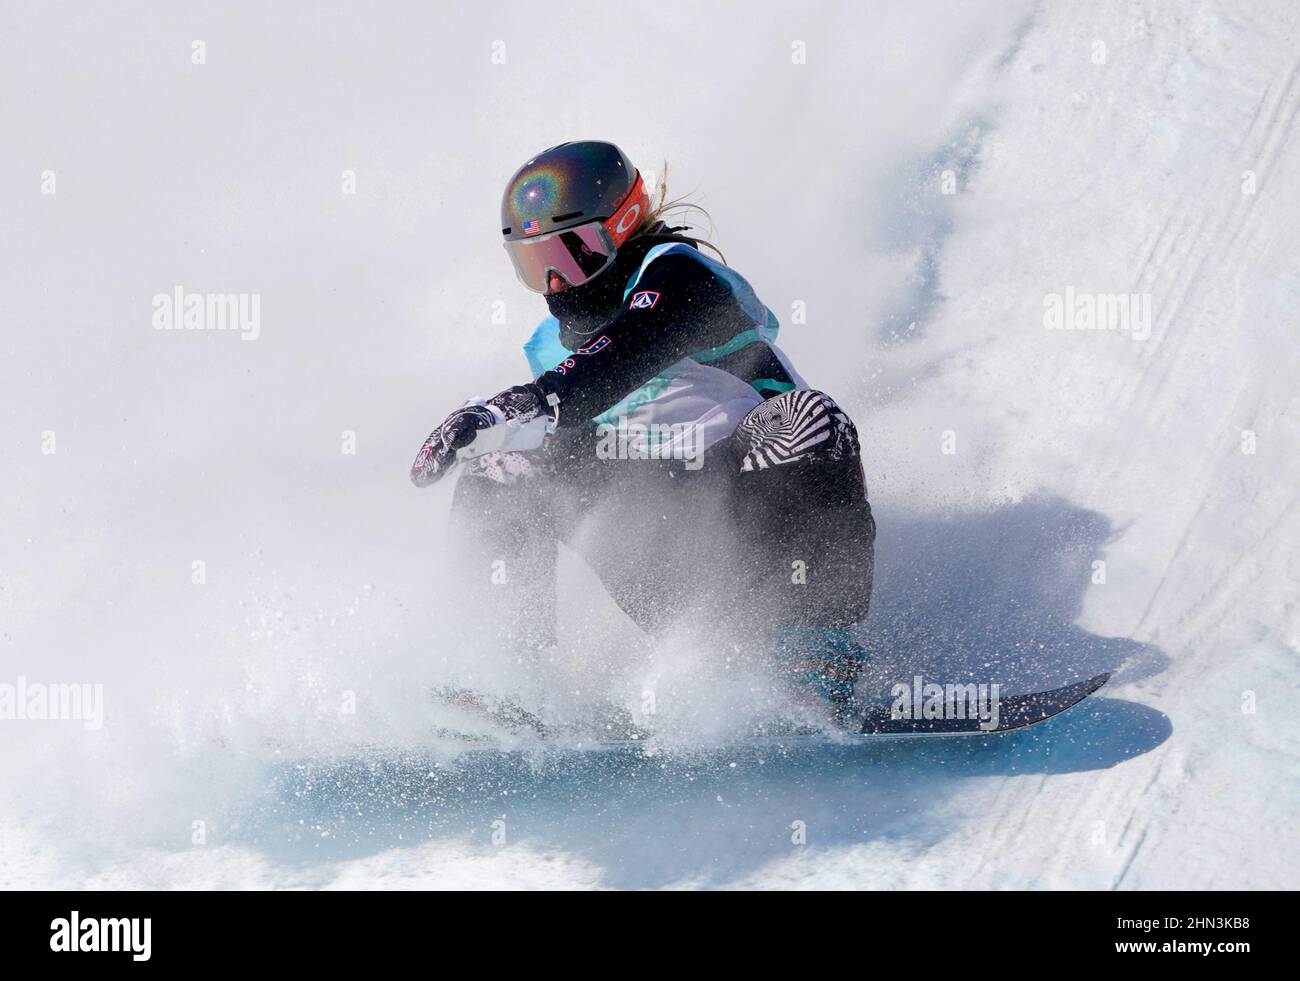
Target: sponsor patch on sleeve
598 344
643 300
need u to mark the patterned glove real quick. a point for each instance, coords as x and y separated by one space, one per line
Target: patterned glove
521 404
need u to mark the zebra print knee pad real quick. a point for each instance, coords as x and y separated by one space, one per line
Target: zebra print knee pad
803 424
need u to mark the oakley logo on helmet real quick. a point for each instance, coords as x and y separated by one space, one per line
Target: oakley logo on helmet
643 300
623 222
629 218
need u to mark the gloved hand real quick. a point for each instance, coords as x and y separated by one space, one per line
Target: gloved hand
519 404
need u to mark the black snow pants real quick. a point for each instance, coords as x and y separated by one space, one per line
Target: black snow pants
772 530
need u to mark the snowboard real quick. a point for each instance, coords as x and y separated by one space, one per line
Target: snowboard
877 721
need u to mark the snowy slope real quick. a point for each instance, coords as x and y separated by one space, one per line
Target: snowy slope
1104 147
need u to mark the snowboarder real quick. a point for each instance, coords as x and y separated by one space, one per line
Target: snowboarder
687 462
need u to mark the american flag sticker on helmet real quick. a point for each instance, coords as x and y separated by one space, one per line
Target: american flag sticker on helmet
532 227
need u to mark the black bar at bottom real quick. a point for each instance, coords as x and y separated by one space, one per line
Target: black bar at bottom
421 930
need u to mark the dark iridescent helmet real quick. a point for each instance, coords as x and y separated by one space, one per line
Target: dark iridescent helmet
567 210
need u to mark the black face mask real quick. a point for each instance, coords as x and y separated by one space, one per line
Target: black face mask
583 310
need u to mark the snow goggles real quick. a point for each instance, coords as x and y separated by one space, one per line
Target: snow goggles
581 252
576 255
